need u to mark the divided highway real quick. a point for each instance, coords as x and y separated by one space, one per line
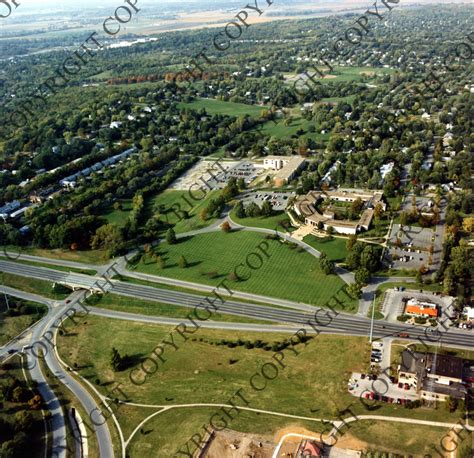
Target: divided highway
325 320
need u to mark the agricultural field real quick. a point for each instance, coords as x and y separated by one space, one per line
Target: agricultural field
213 106
290 272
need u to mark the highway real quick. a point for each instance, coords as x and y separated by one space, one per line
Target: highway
325 321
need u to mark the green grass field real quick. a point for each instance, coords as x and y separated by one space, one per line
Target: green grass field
200 371
119 217
87 256
32 285
412 440
334 247
344 74
271 222
288 273
169 201
11 326
213 106
132 305
281 130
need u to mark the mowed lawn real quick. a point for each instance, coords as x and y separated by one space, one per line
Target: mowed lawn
288 273
267 222
170 205
334 247
213 106
282 130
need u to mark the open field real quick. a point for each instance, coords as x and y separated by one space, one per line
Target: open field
88 257
131 305
11 326
334 247
399 438
213 106
119 217
172 203
281 130
270 222
289 272
343 74
313 383
32 285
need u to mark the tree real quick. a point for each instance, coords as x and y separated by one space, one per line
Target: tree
326 265
267 208
362 276
23 421
320 225
468 224
241 184
451 404
116 361
239 209
351 241
107 237
378 211
330 230
182 262
171 236
204 214
225 226
355 290
370 257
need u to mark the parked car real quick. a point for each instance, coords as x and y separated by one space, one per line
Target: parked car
406 387
400 385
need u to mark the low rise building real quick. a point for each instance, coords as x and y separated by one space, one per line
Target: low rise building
417 308
288 167
435 376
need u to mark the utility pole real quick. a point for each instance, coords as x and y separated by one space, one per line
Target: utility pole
372 321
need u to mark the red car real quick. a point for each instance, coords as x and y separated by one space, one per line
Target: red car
407 387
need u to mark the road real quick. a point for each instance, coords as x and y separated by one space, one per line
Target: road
56 309
299 315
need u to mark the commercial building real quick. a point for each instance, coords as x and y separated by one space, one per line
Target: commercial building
435 376
306 206
288 167
415 307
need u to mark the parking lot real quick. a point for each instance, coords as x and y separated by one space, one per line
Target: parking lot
382 389
413 249
393 305
279 200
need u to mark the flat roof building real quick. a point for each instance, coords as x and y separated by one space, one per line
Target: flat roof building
435 376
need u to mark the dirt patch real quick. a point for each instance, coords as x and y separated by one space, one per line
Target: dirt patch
328 77
232 444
